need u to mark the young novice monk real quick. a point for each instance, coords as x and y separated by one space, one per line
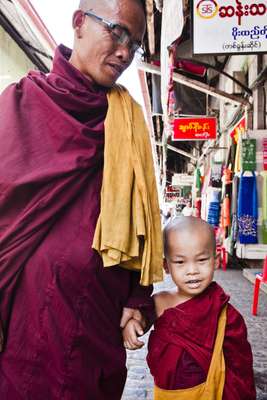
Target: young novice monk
198 349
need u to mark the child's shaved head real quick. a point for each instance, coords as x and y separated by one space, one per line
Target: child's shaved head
193 224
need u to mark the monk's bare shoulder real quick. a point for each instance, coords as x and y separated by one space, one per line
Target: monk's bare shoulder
164 300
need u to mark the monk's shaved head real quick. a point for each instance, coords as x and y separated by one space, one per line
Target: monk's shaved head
94 4
188 224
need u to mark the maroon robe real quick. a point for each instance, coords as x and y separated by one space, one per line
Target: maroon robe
181 346
59 306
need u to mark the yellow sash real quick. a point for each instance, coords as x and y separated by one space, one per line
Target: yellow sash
128 231
212 389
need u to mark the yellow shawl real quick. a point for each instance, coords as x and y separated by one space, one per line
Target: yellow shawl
128 231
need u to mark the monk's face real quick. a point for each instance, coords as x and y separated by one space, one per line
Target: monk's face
96 52
191 260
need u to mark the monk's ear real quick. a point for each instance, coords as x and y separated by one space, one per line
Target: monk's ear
77 22
165 266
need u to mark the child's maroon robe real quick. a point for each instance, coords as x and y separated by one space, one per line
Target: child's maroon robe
59 307
180 348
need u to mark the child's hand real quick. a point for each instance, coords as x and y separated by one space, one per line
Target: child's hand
130 334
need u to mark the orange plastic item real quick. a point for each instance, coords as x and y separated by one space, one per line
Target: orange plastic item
262 277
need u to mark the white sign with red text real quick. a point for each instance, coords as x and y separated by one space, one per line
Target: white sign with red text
229 26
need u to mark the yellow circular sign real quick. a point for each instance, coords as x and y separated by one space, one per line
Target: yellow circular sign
207 9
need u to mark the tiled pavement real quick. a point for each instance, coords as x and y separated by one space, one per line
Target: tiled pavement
139 384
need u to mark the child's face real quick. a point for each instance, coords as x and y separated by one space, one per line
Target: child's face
190 260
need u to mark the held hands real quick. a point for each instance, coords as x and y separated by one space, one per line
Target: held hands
133 324
130 334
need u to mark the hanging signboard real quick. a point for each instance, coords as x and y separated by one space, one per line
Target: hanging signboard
229 27
195 128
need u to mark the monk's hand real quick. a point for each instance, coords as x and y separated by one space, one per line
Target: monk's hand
129 313
130 333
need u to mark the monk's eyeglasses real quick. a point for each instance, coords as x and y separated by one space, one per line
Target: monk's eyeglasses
120 34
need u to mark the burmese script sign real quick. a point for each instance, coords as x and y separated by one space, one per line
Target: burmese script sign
229 26
195 128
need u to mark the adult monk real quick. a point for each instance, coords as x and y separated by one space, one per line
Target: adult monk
61 311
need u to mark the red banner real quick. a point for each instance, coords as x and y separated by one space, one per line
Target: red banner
195 128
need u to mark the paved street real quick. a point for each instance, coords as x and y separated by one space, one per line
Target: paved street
139 383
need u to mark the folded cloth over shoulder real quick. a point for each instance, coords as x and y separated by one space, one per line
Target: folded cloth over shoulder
128 231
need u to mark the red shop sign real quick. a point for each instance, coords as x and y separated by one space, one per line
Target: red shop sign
195 128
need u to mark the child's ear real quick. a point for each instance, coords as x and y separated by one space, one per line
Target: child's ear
165 266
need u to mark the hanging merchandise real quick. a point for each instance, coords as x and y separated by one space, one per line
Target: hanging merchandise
214 213
227 190
247 209
214 206
230 161
248 154
226 219
264 208
234 229
197 181
204 192
216 175
237 167
198 207
264 145
227 178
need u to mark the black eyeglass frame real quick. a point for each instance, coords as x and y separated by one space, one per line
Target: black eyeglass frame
124 39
